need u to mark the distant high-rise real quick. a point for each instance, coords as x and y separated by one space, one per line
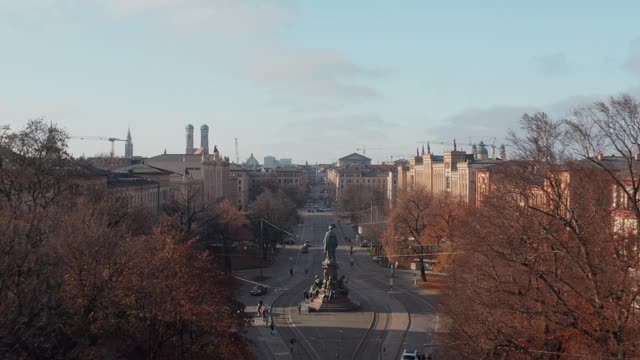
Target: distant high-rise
204 138
270 162
189 130
128 146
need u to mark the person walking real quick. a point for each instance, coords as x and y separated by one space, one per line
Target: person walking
290 271
273 329
259 310
299 308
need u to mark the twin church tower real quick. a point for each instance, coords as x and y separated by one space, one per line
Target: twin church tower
204 140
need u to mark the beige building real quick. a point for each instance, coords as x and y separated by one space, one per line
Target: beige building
452 173
136 192
354 159
291 177
242 183
343 178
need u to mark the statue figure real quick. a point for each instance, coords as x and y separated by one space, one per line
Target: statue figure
330 244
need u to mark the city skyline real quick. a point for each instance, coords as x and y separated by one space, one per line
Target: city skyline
276 76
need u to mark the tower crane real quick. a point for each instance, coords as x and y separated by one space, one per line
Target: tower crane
364 149
111 139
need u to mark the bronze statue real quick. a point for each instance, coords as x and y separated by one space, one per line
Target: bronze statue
330 244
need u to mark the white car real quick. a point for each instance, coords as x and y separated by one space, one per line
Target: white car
409 355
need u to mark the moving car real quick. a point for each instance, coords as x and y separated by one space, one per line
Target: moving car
409 355
258 290
307 243
305 250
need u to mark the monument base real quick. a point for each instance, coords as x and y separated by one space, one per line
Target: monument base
337 304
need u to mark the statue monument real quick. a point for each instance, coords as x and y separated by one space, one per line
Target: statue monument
330 293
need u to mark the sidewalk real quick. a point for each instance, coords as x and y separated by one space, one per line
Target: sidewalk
267 346
264 344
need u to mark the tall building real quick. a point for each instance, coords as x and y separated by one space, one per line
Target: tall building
204 139
270 162
128 146
189 130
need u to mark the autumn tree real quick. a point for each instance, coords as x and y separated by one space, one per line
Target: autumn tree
83 276
229 227
419 224
544 270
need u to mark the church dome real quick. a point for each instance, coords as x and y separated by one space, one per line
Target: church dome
251 162
482 149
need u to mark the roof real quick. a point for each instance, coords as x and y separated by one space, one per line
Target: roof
142 169
236 167
355 157
175 157
122 180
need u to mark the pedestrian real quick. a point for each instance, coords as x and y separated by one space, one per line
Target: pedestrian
264 315
260 302
259 310
273 329
299 308
290 271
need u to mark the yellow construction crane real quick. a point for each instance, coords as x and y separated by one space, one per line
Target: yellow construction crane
111 139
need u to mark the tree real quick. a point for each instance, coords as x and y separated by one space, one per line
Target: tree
418 224
82 276
230 226
187 211
543 271
277 209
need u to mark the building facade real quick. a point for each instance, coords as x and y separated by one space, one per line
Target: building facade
354 159
453 173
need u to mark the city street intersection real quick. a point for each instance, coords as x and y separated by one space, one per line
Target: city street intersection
388 321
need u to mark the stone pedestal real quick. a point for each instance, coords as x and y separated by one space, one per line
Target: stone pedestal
332 294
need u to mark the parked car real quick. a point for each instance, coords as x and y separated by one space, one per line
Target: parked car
409 355
307 243
258 290
364 243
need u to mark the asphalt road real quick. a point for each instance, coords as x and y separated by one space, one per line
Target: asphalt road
386 323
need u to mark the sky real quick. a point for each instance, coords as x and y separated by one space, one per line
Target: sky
309 80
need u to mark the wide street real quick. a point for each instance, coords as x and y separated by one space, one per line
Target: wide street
387 322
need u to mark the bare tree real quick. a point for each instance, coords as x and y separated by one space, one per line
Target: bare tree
418 224
543 270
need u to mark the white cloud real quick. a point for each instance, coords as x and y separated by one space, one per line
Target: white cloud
295 77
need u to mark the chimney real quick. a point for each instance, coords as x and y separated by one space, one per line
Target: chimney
204 138
189 131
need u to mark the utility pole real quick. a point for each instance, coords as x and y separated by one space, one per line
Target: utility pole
262 247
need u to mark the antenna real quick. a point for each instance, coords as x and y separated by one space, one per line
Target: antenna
237 152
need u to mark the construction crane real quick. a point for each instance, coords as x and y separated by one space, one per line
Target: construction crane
364 149
111 139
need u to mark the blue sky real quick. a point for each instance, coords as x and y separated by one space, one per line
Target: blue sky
309 80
